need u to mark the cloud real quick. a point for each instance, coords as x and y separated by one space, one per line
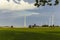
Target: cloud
15 14
4 4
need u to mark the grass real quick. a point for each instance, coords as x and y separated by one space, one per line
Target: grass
29 34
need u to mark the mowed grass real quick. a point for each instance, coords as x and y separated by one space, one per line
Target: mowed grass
29 34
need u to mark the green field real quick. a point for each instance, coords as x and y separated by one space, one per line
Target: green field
29 34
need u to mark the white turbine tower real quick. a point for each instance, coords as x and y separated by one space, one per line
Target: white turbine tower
49 21
24 20
52 19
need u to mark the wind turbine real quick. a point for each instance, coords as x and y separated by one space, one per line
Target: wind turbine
51 20
26 18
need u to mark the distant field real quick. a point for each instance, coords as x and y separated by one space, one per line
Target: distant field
29 34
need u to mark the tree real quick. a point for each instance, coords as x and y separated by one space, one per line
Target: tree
11 26
34 25
44 2
29 26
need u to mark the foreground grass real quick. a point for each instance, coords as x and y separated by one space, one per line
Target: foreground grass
29 34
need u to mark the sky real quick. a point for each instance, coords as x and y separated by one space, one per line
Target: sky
12 12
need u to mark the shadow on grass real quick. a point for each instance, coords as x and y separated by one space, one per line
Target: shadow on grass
18 35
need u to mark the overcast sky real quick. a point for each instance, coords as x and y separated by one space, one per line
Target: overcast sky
12 13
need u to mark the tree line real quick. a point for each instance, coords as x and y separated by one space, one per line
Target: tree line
37 26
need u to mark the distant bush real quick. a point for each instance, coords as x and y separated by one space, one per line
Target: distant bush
52 26
33 26
11 26
45 25
56 26
30 26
